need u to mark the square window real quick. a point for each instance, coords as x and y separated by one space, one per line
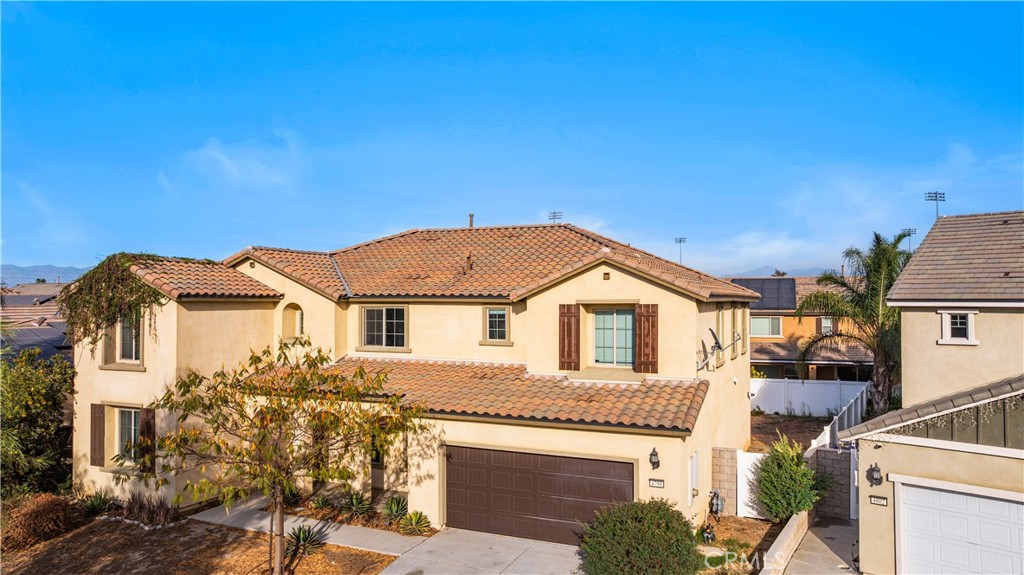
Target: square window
384 327
958 326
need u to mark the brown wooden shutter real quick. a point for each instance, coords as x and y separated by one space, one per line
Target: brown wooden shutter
646 339
569 336
147 437
97 424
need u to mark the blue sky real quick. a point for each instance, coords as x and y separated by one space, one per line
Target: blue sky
767 134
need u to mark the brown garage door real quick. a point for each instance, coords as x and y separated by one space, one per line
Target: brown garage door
526 495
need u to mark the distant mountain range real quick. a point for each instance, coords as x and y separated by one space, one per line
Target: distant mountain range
766 271
13 275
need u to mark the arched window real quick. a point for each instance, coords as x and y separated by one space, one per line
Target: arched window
293 322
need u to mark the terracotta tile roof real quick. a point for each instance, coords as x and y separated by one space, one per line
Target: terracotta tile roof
317 270
962 399
506 262
508 391
180 278
788 350
977 257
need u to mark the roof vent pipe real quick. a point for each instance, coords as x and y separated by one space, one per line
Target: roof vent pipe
470 219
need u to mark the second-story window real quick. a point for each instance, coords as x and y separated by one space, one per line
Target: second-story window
613 337
384 327
497 324
766 327
129 348
826 326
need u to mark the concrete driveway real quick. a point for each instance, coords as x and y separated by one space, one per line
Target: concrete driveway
460 552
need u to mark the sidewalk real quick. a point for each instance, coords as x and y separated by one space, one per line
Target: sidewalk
827 549
249 515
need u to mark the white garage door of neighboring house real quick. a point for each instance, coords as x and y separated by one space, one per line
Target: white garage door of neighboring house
951 532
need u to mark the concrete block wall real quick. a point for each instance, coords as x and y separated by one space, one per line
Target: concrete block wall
723 477
835 464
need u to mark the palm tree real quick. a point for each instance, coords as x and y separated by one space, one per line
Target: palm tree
860 315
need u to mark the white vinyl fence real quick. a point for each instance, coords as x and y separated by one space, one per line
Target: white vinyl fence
821 398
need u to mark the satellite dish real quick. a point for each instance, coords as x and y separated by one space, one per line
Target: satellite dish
718 342
704 346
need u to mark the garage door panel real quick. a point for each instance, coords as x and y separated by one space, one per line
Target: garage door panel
533 497
951 532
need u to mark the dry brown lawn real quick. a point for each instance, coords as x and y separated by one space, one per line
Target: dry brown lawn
190 547
765 429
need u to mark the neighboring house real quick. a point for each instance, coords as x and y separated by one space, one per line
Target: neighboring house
560 370
776 334
29 312
942 480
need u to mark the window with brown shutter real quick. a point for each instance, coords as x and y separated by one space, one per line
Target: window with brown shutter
147 435
569 336
97 457
646 338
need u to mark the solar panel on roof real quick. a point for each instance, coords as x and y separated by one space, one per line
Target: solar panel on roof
776 293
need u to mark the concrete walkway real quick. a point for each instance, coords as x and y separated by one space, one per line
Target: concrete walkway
827 549
461 552
249 515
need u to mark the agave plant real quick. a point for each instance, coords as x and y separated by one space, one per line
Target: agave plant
395 509
358 505
303 541
415 523
321 502
97 503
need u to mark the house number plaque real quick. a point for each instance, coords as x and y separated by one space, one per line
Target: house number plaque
875 500
659 483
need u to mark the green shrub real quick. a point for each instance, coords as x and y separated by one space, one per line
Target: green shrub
41 518
640 537
303 541
395 509
414 523
358 505
97 503
785 485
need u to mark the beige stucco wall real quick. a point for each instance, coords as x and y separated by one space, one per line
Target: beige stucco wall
130 389
932 370
324 318
450 330
878 523
204 335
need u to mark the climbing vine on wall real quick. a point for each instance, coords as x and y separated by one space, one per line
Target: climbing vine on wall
105 294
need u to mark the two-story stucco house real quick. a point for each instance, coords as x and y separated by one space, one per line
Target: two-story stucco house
561 370
942 480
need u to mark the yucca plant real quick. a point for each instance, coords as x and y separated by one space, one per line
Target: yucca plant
414 523
303 541
395 509
357 504
97 503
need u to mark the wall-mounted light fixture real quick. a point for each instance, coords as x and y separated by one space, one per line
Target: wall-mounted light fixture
874 475
655 462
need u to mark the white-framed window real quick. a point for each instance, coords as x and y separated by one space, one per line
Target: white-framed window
957 327
496 324
766 326
128 425
826 326
613 336
129 345
694 476
385 327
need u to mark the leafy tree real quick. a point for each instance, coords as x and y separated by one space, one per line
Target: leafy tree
778 273
32 396
785 485
271 424
857 304
40 280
